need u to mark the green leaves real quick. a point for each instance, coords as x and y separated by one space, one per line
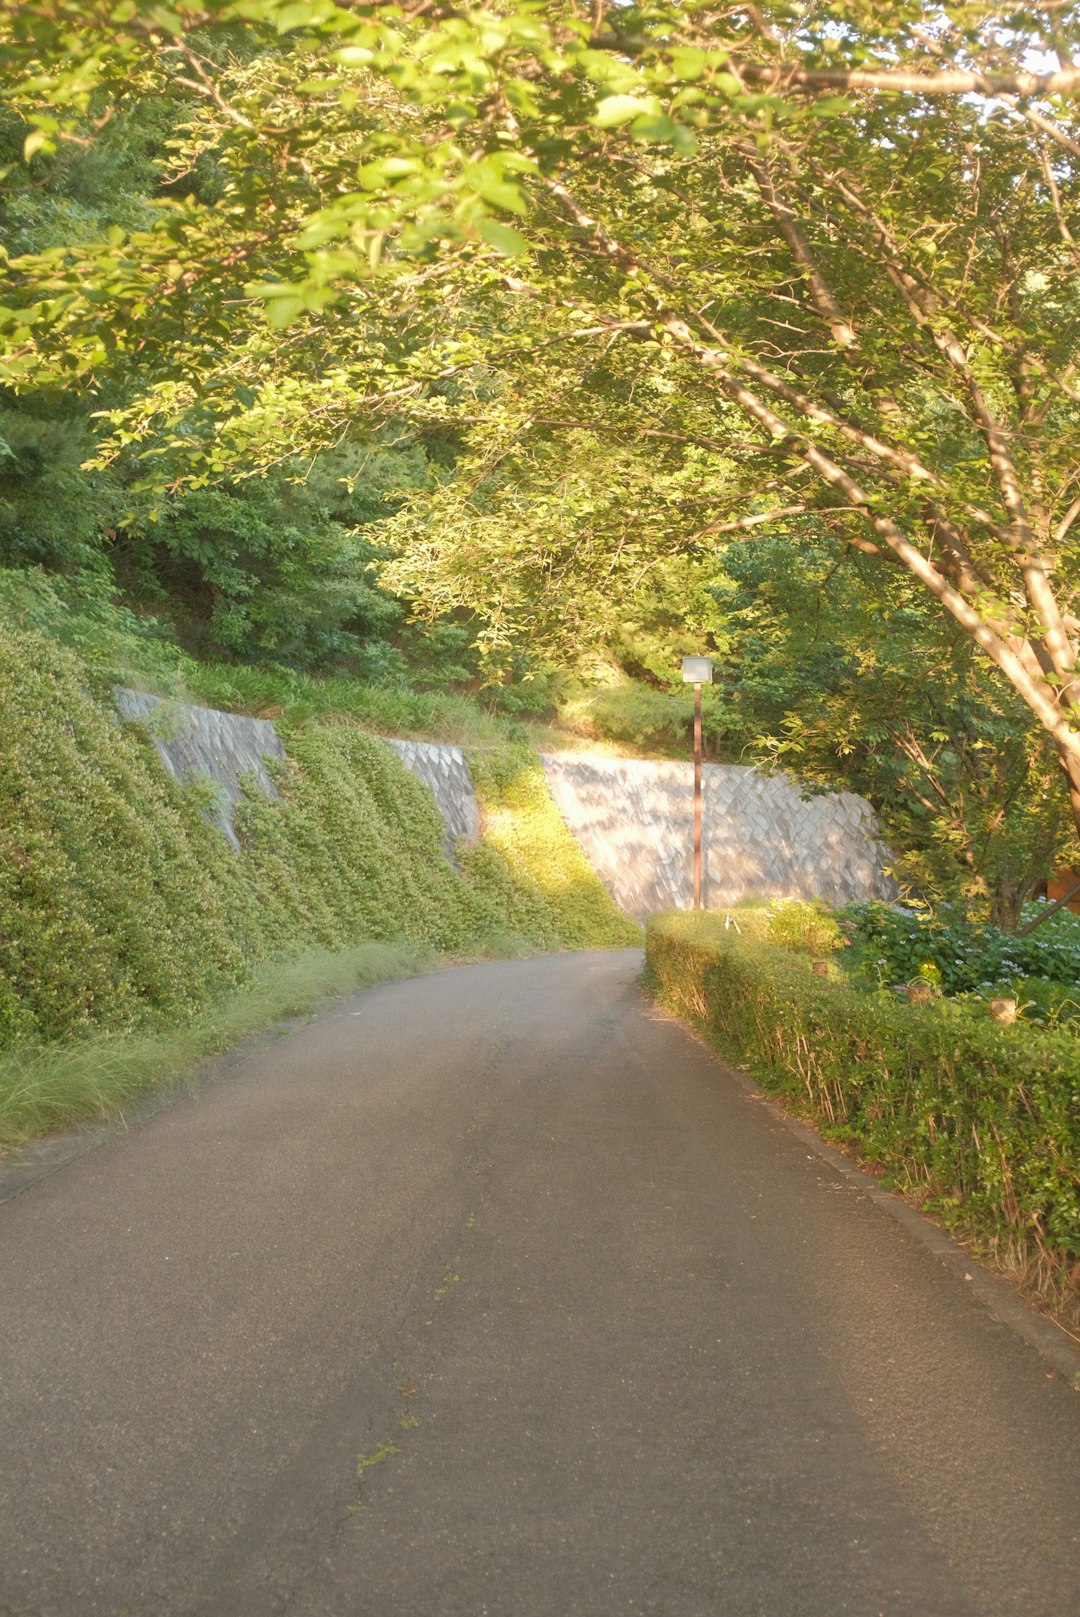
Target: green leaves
301 14
354 175
689 63
646 119
490 179
165 18
37 140
354 56
504 238
622 109
832 106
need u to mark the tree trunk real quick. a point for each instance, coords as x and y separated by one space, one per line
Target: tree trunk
1006 903
1071 765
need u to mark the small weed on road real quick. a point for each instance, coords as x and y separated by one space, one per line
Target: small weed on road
367 1461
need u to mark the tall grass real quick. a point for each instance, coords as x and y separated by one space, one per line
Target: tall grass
285 694
43 1088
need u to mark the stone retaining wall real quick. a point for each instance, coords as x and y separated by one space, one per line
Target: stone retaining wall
633 818
444 769
200 744
760 837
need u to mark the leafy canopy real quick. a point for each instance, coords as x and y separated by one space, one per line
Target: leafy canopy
814 262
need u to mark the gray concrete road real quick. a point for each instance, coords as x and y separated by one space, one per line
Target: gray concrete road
494 1293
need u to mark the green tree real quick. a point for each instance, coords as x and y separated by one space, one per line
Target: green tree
837 241
854 682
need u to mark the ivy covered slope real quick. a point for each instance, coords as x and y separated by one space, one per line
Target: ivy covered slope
979 1122
545 886
124 910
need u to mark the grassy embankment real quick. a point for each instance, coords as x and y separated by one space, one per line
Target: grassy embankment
135 942
976 1122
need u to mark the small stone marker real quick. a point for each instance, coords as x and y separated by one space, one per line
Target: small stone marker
1003 1010
820 968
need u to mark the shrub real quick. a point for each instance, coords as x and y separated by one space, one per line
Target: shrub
635 713
392 709
114 645
892 943
806 926
124 909
978 1121
121 906
650 719
1056 1004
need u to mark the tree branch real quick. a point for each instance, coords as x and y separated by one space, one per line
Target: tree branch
922 304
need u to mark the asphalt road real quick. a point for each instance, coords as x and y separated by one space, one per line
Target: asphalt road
493 1292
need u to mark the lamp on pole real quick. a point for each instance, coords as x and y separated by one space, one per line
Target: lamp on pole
697 671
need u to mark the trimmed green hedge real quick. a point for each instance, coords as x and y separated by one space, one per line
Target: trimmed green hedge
979 1122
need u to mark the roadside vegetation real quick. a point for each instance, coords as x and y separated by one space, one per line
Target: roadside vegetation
976 1121
135 940
44 1087
1038 966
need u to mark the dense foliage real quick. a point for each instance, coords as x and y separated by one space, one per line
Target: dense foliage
538 313
550 891
851 680
893 945
118 645
118 907
863 347
979 1122
805 926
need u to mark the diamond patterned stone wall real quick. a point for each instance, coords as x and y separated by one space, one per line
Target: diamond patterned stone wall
444 770
760 837
633 818
201 744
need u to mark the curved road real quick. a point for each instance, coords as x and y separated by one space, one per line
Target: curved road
493 1292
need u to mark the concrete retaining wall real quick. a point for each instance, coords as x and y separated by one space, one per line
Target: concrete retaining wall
633 818
200 744
444 769
760 837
